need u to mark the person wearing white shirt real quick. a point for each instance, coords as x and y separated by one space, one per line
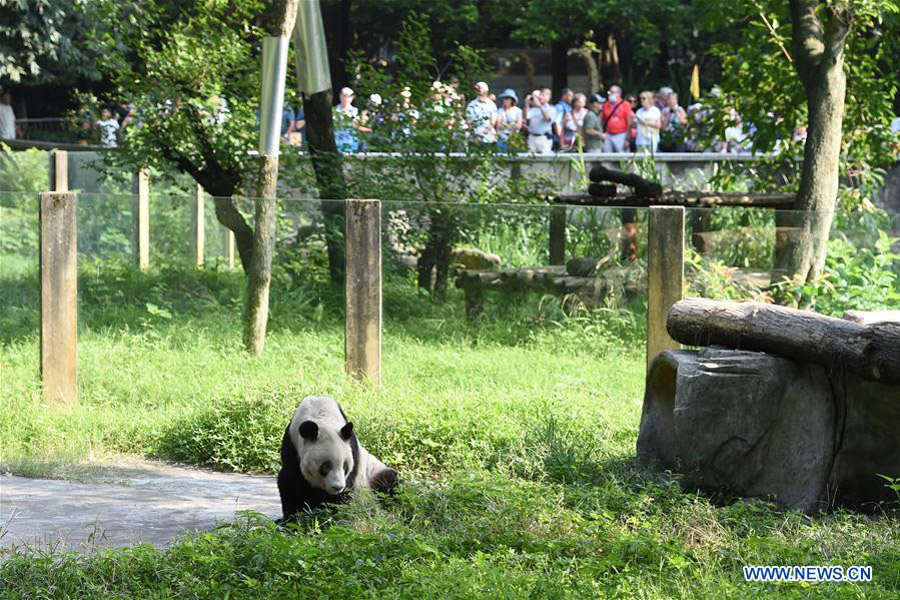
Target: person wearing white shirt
648 119
541 116
7 117
109 129
481 113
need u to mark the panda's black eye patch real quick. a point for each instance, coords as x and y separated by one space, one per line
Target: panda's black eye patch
325 468
346 467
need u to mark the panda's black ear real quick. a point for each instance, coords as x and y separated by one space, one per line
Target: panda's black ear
309 430
347 431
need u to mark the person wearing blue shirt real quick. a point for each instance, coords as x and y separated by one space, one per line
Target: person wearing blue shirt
287 122
562 107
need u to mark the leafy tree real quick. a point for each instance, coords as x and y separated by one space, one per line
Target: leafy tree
44 39
625 42
823 65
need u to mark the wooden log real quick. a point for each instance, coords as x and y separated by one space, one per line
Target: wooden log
665 274
59 296
557 235
362 322
872 352
642 187
602 190
692 199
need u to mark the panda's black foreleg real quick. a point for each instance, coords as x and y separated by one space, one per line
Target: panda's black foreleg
384 482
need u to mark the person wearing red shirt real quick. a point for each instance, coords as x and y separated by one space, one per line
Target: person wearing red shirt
617 119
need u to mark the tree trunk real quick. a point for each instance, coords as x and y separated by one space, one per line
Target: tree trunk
559 66
591 66
528 63
278 22
819 32
437 255
328 166
872 352
259 273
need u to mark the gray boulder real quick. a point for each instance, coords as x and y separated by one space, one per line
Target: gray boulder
759 425
748 423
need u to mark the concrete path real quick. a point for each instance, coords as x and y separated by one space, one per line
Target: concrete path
125 505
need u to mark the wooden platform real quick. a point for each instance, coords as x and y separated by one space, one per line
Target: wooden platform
544 279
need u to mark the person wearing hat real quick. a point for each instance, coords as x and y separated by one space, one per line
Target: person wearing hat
345 137
509 118
593 125
481 113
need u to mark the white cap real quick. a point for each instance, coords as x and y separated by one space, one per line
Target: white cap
406 93
481 87
375 99
347 92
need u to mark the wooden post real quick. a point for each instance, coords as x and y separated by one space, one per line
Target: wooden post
59 171
558 235
228 246
59 296
140 218
665 258
198 235
362 342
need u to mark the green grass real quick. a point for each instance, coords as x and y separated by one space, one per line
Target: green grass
514 434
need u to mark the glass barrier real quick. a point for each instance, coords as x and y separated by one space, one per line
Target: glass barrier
506 271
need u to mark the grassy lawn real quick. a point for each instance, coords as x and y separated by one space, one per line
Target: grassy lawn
515 437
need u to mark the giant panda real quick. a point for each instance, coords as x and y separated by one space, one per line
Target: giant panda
322 462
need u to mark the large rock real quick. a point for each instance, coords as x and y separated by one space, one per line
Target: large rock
756 424
868 444
749 423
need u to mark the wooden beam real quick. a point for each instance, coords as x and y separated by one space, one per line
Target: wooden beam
59 171
665 258
140 219
198 219
362 237
59 296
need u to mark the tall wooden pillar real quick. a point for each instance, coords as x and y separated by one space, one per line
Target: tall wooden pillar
59 171
558 235
228 246
198 219
59 296
362 342
140 218
665 258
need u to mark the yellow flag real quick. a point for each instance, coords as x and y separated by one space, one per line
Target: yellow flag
695 83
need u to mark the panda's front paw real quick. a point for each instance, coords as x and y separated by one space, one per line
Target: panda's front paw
384 482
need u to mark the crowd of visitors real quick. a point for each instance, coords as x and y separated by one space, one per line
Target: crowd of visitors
655 121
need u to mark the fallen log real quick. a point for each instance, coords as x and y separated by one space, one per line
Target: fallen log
689 199
642 187
872 352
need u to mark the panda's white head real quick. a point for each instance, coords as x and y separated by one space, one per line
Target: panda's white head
326 456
